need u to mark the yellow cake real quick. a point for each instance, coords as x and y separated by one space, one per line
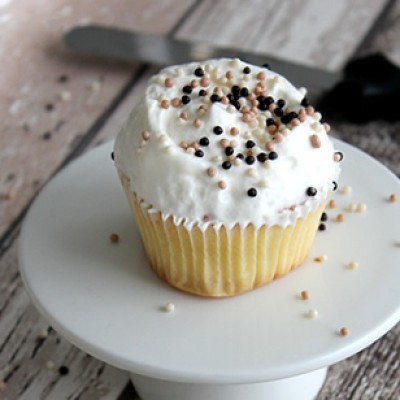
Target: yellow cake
227 170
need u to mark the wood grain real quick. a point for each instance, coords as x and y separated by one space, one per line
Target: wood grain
313 32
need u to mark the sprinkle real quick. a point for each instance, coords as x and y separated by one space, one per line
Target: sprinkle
146 135
321 258
206 218
185 99
315 141
304 294
340 218
312 313
229 151
351 207
393 198
202 92
184 145
361 207
249 160
175 102
262 157
169 307
326 126
190 151
252 192
50 365
217 130
310 110
311 191
197 123
246 70
199 72
322 227
164 104
211 172
324 216
272 155
204 141
42 334
222 184
168 83
250 144
338 156
184 116
63 370
226 165
272 129
261 76
224 100
199 153
332 203
114 238
65 96
343 331
234 131
346 190
263 183
269 146
352 265
251 172
229 75
204 82
224 143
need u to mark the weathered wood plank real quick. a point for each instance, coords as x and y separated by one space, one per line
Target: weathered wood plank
312 32
49 97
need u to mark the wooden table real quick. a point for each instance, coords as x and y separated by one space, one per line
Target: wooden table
55 106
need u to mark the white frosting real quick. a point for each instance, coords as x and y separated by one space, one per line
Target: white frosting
175 181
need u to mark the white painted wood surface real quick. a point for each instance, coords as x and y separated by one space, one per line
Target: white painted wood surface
28 159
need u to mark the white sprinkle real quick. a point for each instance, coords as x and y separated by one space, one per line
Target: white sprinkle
352 265
246 78
42 334
190 150
169 307
234 143
222 80
235 62
226 90
94 86
346 190
316 126
351 207
216 159
179 72
247 135
361 207
50 365
168 149
312 313
317 116
162 139
207 68
231 109
253 124
263 183
65 96
251 172
237 161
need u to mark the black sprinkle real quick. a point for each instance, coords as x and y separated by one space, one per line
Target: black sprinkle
236 104
270 121
235 90
244 92
112 155
273 155
214 98
281 103
229 151
217 130
246 70
49 107
62 78
262 106
322 227
278 112
185 99
311 191
250 144
262 157
240 155
199 153
187 89
204 141
250 160
226 165
266 66
199 72
305 102
63 370
252 192
335 185
46 136
269 100
324 217
202 92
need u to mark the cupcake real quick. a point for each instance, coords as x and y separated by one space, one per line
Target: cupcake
227 169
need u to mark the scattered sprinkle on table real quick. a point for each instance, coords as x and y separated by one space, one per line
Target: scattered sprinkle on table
393 198
361 207
352 265
50 365
346 189
114 238
304 295
344 331
340 218
63 370
321 258
42 334
312 313
169 307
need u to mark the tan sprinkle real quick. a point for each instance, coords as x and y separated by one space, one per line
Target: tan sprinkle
344 331
310 110
194 83
197 123
164 104
305 295
229 75
184 145
295 122
146 135
272 129
393 198
234 131
327 127
361 207
261 76
332 203
222 184
114 238
246 118
169 83
211 172
224 100
183 115
175 102
204 82
337 157
340 218
269 146
224 143
315 141
206 218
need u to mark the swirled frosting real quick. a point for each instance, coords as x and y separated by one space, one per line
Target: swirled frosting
226 142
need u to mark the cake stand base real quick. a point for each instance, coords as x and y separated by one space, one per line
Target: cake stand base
300 387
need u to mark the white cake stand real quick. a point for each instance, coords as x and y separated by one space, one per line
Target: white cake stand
104 298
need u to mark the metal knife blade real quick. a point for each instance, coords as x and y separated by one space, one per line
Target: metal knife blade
161 50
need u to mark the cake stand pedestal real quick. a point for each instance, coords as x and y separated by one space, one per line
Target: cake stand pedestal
262 345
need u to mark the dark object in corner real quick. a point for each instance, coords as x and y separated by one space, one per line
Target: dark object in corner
370 90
